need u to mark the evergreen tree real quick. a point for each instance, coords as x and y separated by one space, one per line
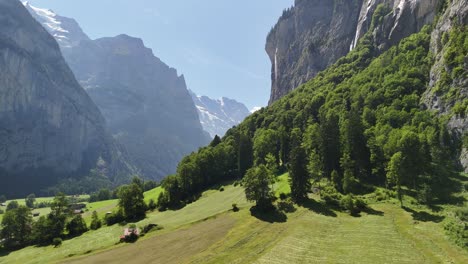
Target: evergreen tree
30 200
298 175
58 215
245 156
215 142
12 205
330 138
395 174
76 226
96 223
336 180
314 167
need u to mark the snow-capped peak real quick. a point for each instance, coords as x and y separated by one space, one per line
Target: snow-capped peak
255 109
219 115
65 30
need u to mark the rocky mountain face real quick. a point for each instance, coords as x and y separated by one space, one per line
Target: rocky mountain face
146 103
313 34
49 126
65 30
217 116
444 102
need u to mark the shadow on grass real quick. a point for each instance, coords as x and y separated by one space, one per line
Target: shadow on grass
371 211
424 216
4 252
270 216
286 206
318 207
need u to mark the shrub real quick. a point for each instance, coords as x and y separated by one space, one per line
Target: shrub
235 208
221 189
12 205
360 204
457 230
114 218
96 223
149 227
462 214
283 196
1 211
424 194
57 242
349 204
331 196
76 226
152 205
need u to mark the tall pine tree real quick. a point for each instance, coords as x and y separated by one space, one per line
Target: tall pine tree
299 177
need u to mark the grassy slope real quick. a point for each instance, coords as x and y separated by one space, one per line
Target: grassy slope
312 234
212 203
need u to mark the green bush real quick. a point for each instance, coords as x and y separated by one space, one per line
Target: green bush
221 189
57 242
76 226
152 205
360 204
283 196
457 230
1 211
96 223
114 218
235 208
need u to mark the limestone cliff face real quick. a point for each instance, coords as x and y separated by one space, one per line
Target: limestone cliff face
314 34
456 13
307 38
49 126
145 102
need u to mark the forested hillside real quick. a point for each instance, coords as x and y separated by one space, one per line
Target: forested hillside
360 123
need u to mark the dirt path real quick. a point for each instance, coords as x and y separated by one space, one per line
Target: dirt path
174 247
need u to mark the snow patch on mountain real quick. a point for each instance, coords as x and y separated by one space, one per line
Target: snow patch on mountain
219 115
65 30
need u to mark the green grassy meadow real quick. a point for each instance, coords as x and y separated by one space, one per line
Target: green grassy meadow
208 231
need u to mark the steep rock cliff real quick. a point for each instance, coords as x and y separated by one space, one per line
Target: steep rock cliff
448 88
307 38
146 104
314 34
49 127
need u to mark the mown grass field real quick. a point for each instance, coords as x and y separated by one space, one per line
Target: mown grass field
207 231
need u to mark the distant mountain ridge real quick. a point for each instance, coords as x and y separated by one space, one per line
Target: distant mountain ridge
145 102
219 115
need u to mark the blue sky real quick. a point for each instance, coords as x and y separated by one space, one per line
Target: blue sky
217 44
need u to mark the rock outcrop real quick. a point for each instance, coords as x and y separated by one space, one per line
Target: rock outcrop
314 34
456 14
146 104
218 116
49 126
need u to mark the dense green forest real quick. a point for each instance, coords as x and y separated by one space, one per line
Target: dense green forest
360 123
